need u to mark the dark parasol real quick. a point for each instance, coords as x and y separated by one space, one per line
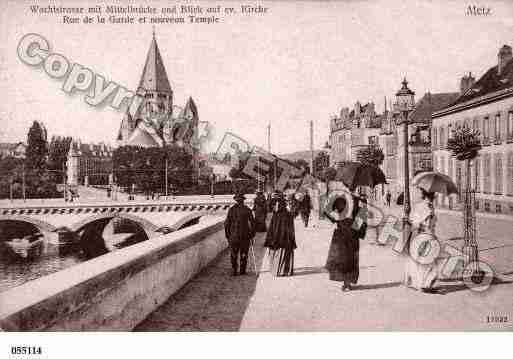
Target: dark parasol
354 174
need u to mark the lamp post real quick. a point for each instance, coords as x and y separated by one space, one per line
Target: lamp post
405 101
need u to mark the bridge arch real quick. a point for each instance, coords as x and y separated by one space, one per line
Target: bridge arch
39 224
148 226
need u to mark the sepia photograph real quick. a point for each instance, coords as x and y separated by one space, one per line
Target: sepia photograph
261 166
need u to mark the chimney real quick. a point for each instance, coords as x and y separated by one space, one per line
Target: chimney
504 56
466 82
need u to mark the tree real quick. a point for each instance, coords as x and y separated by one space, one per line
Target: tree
465 145
371 155
57 157
321 162
37 148
146 167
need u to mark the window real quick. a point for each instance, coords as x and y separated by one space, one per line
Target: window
373 140
486 173
434 137
477 179
441 137
475 124
510 125
498 173
449 167
497 127
486 129
509 186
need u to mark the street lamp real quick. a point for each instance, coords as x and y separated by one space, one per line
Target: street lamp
405 102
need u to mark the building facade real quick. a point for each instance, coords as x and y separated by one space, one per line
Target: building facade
486 105
89 164
353 130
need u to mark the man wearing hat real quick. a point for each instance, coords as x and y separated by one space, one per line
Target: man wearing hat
239 229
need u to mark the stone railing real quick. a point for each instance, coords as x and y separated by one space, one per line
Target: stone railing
117 208
115 291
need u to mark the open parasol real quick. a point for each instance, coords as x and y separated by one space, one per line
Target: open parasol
354 174
435 182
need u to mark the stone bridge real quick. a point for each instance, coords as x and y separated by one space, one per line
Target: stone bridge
153 217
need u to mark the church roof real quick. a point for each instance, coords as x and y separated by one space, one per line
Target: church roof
190 111
143 138
154 77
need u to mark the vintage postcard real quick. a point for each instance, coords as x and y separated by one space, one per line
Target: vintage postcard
259 166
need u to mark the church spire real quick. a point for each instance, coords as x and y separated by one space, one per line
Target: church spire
154 76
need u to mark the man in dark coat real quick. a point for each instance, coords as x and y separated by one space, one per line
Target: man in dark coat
239 229
305 207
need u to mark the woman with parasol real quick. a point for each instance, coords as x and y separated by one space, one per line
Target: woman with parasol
343 255
280 239
421 270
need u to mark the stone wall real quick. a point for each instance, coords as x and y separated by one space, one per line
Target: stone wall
115 291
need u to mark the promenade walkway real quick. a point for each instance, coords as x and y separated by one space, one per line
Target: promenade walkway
308 301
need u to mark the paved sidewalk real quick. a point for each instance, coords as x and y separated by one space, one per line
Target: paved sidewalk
308 301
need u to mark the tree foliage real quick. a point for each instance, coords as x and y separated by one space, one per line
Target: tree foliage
57 157
370 155
37 148
145 168
464 143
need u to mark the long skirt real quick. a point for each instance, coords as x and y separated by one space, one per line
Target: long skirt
281 262
343 257
260 218
419 275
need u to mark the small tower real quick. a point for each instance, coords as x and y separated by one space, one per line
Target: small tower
72 163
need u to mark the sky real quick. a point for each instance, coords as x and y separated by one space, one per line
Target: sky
300 62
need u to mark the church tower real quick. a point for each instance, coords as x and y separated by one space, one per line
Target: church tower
154 86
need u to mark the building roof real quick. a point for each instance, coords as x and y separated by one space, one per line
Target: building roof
154 76
489 83
429 103
90 149
142 137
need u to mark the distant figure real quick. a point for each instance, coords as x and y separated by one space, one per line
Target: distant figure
343 256
388 197
400 199
239 229
260 209
305 207
281 239
109 191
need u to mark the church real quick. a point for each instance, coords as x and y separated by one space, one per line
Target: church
158 121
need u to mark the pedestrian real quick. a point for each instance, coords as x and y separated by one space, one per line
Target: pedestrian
281 239
388 197
239 229
305 207
343 255
260 210
419 275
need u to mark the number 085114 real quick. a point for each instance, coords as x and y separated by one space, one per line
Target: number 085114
25 350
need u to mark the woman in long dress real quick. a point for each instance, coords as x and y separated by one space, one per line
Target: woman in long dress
281 240
260 209
343 256
421 269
